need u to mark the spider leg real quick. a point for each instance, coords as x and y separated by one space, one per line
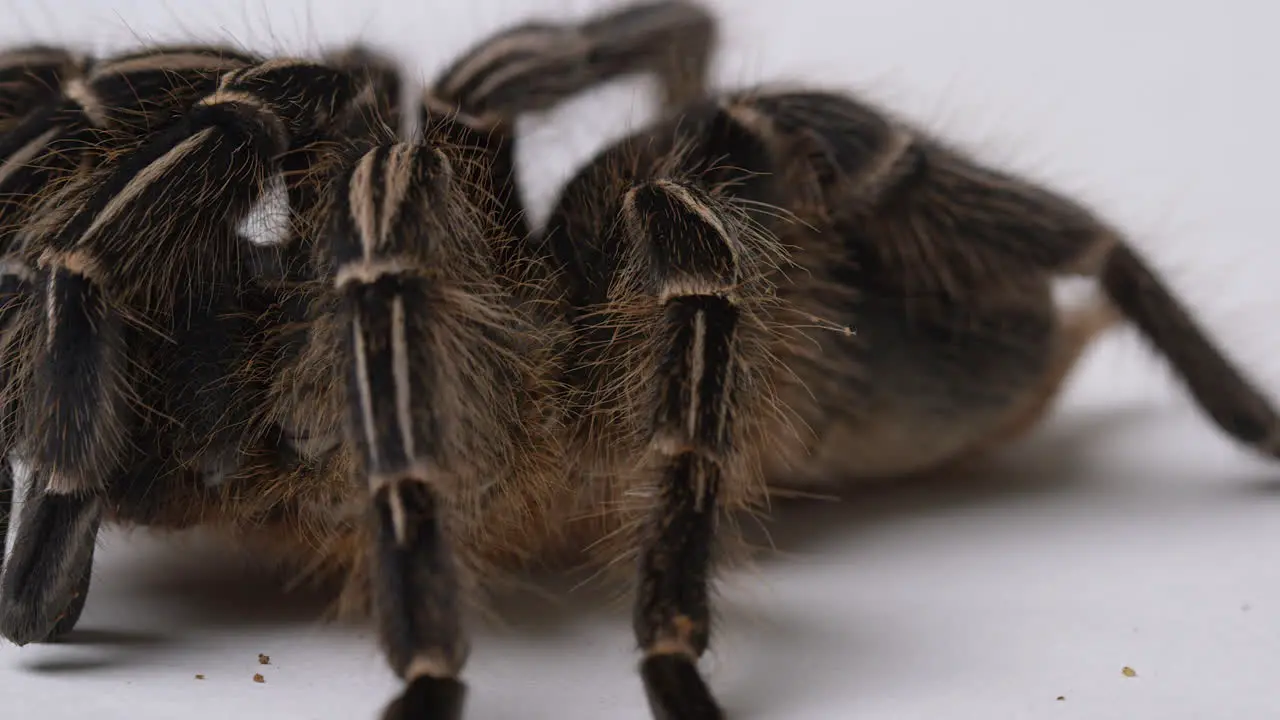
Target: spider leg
6 505
689 280
383 239
674 39
15 298
46 576
1026 226
1063 237
673 315
379 107
435 379
536 65
1221 388
945 224
685 258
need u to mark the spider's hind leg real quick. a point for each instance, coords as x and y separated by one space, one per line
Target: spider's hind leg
1223 391
15 297
1039 228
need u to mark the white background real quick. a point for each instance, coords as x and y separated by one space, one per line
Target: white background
1126 533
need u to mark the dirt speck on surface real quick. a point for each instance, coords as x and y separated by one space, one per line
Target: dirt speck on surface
199 677
264 659
1129 672
258 678
1062 698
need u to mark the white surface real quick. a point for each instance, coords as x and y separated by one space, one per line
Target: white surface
1126 533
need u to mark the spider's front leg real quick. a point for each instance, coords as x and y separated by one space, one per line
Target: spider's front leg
47 572
46 576
433 383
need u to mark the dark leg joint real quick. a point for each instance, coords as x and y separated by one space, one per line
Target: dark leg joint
672 614
78 431
690 249
672 605
416 594
416 581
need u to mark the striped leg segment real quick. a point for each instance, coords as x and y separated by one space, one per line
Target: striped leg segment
537 65
685 256
419 372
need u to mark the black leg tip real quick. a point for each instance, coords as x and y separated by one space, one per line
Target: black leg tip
429 698
676 691
22 624
68 620
26 620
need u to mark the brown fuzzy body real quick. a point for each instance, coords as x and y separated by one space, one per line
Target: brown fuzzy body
950 352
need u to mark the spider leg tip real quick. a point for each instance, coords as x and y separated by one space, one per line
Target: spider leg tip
22 626
429 698
676 690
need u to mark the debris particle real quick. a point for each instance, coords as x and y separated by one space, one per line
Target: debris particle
258 678
199 677
1129 672
264 659
1061 698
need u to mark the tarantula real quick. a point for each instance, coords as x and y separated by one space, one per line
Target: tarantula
234 295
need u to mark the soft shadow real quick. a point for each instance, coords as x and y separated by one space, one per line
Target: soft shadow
108 650
543 605
210 584
217 586
772 662
72 666
1050 462
113 638
1265 485
112 649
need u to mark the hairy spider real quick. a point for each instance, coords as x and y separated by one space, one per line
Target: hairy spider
247 302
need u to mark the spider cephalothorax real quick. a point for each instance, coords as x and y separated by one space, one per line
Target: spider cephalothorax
239 297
